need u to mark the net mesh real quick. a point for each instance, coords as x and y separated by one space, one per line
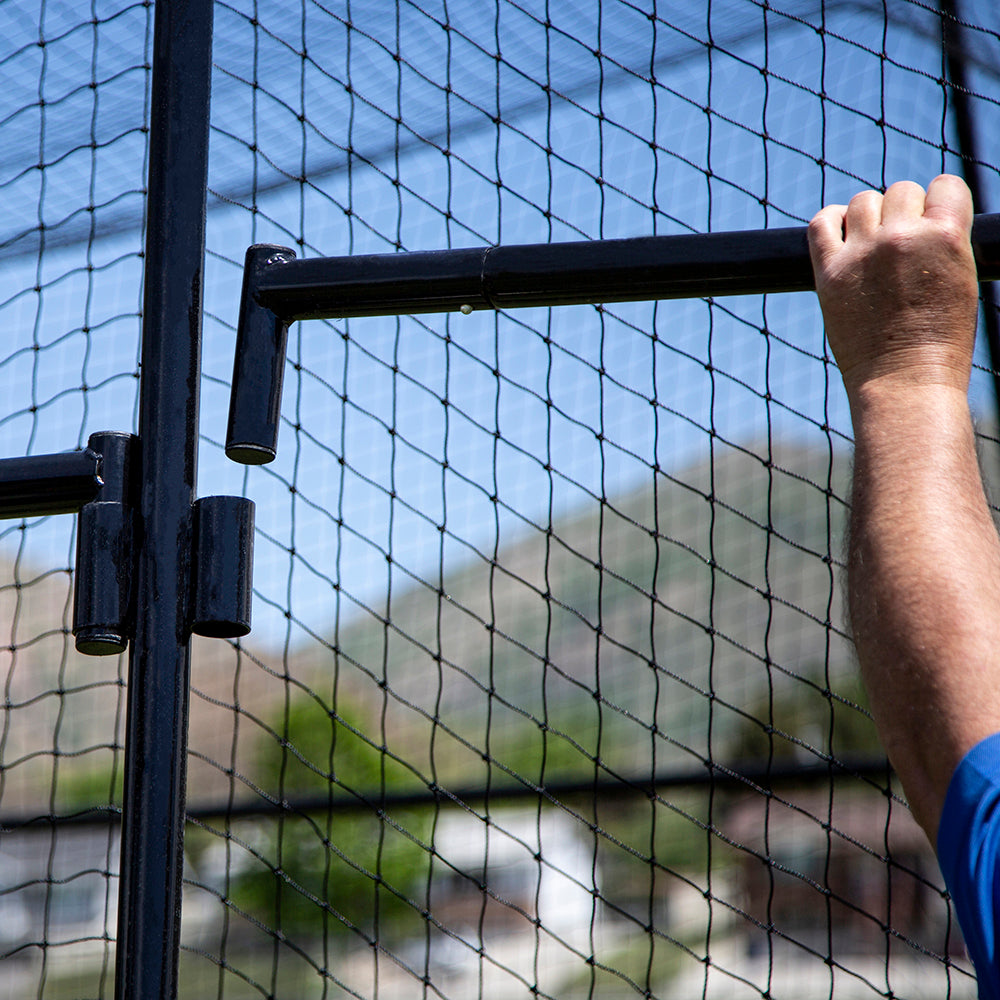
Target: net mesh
549 691
72 158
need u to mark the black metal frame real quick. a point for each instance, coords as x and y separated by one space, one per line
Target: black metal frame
739 775
278 289
49 484
159 660
153 564
96 484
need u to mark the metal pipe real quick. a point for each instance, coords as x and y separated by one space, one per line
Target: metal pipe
552 274
49 484
223 579
737 775
159 662
865 769
103 581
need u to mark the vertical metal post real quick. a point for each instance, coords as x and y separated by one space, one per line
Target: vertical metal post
159 662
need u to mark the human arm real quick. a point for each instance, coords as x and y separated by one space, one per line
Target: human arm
896 281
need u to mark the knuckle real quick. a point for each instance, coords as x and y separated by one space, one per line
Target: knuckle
863 197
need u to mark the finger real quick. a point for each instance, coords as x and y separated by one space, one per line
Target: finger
864 214
826 232
902 204
949 199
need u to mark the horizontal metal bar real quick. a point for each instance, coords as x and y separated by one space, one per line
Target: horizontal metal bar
551 274
49 484
745 775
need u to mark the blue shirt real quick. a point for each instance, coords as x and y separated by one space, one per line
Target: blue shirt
968 847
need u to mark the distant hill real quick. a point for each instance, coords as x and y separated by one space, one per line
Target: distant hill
689 617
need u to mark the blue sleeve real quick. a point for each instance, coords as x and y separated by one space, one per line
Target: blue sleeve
968 847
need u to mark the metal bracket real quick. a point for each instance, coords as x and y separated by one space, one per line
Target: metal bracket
95 484
223 566
98 484
103 606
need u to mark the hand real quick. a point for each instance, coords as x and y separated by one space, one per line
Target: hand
897 284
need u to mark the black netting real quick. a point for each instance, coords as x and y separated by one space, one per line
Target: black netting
72 157
549 691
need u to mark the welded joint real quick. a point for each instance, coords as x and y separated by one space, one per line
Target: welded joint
279 289
96 485
40 485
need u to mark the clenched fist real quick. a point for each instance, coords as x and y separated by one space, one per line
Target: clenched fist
897 284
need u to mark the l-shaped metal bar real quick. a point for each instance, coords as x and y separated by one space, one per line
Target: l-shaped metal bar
279 289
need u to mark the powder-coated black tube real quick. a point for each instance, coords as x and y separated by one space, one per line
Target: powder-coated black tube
48 484
552 274
102 583
159 662
223 579
258 367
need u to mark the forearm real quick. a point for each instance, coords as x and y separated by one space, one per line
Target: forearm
924 583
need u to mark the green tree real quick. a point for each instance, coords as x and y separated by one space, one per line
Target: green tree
336 861
795 722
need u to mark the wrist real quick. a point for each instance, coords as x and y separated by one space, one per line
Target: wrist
900 349
909 394
909 382
900 420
